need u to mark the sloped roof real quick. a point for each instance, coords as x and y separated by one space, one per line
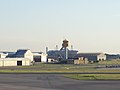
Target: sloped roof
21 52
87 54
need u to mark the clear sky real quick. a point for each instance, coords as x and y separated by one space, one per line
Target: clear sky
89 25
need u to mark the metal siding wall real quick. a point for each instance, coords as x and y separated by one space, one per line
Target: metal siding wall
29 55
10 63
13 62
25 62
1 63
43 58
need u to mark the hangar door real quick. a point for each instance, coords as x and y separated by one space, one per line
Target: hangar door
19 63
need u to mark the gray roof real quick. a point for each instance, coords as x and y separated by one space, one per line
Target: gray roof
38 52
89 54
21 52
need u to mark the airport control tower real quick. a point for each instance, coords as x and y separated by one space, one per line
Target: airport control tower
65 49
64 53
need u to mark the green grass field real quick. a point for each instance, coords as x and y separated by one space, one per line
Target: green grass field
56 68
110 62
94 76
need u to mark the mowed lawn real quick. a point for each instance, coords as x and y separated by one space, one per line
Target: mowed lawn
48 68
57 68
94 76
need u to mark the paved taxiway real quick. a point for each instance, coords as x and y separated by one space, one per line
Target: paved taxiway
52 82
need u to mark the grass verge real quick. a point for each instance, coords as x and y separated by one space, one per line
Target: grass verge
94 76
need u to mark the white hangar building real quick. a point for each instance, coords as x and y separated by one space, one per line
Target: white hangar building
15 62
23 57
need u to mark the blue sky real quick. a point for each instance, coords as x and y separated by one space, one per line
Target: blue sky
89 25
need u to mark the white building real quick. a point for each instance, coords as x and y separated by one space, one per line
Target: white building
15 62
39 57
23 57
92 56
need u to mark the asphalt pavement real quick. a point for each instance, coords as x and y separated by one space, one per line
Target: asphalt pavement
52 82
